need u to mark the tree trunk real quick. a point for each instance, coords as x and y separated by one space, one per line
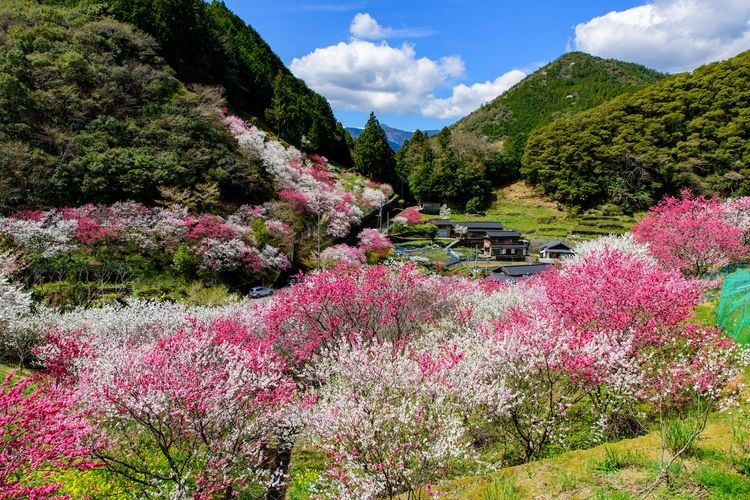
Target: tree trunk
279 460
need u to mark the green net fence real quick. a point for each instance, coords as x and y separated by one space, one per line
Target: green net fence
733 314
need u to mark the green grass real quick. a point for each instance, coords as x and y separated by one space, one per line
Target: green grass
619 470
5 369
519 207
308 466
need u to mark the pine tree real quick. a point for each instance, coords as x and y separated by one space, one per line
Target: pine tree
373 156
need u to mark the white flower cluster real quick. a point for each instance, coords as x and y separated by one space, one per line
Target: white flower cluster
623 243
48 237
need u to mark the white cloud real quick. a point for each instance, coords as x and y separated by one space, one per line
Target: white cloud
669 35
363 76
364 26
466 99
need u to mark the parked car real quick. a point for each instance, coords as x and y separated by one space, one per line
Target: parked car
260 291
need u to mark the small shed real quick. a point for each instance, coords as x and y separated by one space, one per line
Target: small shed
444 227
555 249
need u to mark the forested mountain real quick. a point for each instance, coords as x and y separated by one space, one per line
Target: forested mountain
689 130
94 109
485 148
89 112
572 83
207 43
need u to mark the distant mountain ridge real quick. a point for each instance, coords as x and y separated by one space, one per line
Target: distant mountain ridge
396 137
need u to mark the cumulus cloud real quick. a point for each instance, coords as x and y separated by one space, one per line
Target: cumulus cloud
669 35
466 99
364 26
361 75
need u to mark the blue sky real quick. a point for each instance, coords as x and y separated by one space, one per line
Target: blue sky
426 64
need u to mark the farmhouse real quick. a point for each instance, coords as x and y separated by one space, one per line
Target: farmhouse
490 236
444 226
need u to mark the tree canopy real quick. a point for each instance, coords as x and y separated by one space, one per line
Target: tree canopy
373 156
689 130
452 167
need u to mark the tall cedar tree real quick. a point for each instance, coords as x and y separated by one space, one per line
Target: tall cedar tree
373 156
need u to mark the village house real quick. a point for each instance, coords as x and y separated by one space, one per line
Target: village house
511 274
488 236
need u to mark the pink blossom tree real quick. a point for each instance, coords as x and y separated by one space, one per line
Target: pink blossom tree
41 431
388 303
409 216
341 254
386 416
738 215
691 234
189 413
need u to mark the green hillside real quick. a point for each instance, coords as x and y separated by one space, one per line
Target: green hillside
689 130
207 43
462 163
572 83
89 112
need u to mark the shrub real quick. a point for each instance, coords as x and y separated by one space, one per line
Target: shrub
679 435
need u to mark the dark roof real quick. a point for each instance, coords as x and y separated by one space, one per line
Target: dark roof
482 225
522 270
510 245
556 243
502 278
441 222
502 234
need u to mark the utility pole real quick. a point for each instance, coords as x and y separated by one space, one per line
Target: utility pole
318 266
476 251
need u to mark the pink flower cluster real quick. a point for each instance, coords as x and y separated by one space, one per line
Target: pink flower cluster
372 247
695 234
219 243
41 430
410 216
372 240
309 183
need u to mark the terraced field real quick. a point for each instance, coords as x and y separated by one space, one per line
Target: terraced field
519 207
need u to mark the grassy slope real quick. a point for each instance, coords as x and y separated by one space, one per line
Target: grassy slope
519 207
577 474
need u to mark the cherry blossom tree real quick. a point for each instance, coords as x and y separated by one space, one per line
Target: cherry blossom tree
188 413
42 432
386 416
691 234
